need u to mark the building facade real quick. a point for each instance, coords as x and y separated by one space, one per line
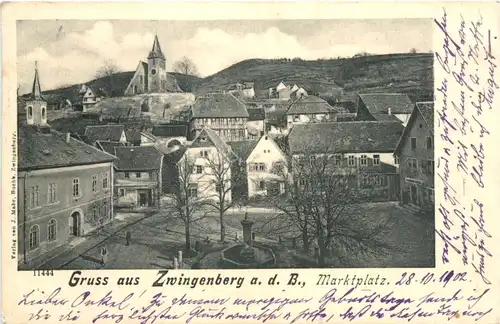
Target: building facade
64 187
226 115
310 109
138 177
415 152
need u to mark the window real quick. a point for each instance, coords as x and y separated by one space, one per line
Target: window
150 175
296 118
364 160
337 159
413 142
351 160
52 197
43 112
52 230
94 183
430 167
35 195
138 175
204 153
105 210
262 167
429 143
396 160
122 192
302 182
94 213
193 190
34 237
76 187
376 159
127 175
199 169
262 185
30 112
412 163
104 181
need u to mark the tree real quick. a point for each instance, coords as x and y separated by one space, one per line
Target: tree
186 205
108 71
219 167
323 208
413 50
185 66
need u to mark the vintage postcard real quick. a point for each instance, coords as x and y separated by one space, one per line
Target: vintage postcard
250 162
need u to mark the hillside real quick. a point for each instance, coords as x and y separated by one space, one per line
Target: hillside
116 84
409 73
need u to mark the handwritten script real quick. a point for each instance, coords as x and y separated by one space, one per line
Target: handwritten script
350 303
468 64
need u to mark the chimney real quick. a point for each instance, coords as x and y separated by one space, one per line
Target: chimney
389 111
68 137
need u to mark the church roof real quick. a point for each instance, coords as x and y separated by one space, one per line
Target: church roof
156 50
36 92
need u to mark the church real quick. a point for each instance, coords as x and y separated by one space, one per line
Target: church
152 77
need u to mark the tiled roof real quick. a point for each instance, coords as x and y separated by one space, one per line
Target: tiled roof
379 103
345 137
256 114
243 148
171 130
385 117
215 139
104 133
310 105
219 106
43 150
137 158
109 146
427 111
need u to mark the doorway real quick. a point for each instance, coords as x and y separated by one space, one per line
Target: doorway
142 199
74 224
414 195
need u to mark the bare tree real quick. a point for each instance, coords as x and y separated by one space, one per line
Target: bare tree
323 207
185 66
219 167
108 71
186 203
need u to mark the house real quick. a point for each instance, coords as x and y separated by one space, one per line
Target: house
171 135
222 113
359 151
152 77
209 160
415 152
297 92
138 176
266 168
244 90
384 107
310 109
87 98
113 133
282 91
256 122
64 186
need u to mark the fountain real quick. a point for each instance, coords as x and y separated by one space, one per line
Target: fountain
248 254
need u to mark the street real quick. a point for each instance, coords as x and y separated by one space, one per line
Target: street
157 238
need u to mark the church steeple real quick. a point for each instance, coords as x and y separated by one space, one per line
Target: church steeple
36 92
156 50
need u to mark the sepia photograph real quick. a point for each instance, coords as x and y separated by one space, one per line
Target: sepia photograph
242 144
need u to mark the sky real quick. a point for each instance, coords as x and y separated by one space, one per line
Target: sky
71 51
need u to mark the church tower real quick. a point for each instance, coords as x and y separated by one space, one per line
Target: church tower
36 106
157 73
